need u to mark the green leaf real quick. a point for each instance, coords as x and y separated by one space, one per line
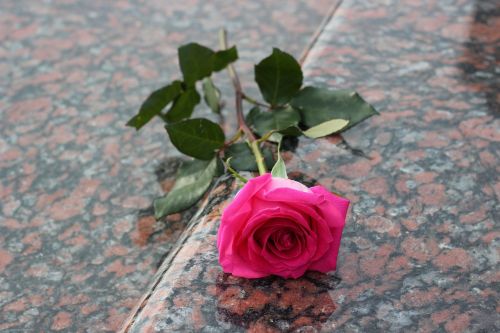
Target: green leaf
318 105
292 131
242 158
279 169
326 128
196 62
183 106
279 77
193 180
252 114
223 58
211 94
197 137
155 103
278 120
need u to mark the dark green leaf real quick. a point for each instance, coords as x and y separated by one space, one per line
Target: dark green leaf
326 128
196 62
155 103
318 105
192 181
198 138
278 120
291 131
220 168
225 57
254 112
183 106
242 158
211 95
279 77
279 169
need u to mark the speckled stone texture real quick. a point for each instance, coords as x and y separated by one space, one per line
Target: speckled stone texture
193 294
78 243
420 248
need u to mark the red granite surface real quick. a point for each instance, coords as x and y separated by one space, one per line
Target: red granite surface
78 243
420 248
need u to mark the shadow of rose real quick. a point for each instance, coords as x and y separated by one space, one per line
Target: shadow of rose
276 304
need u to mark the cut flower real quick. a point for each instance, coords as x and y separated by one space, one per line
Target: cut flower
277 226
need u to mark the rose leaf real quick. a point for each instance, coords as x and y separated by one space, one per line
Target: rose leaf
319 105
196 62
211 95
197 137
242 158
183 105
279 77
223 58
155 103
277 120
279 169
193 180
326 128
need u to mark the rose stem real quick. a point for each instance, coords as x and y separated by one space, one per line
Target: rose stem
255 102
254 144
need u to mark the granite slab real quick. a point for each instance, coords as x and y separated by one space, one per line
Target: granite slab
78 242
420 248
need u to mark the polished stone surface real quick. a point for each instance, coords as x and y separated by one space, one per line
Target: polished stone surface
78 243
420 247
192 293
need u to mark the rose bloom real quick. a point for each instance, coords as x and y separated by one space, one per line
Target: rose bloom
277 226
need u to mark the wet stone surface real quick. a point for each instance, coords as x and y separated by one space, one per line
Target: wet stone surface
78 242
420 247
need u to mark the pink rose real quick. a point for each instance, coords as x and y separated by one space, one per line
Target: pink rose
277 226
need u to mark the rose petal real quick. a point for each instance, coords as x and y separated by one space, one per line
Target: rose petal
242 270
289 196
319 227
260 228
232 221
281 227
308 251
329 261
334 207
234 215
280 183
